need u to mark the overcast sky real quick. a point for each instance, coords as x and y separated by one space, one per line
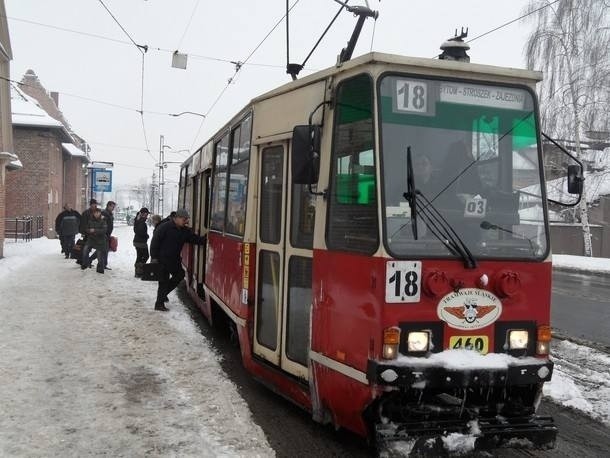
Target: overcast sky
83 67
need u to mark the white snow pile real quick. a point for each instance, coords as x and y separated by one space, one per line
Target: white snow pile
465 359
581 379
87 367
583 263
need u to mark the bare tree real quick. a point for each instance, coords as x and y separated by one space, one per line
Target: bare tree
570 43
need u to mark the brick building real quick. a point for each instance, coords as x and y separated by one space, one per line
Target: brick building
53 171
8 160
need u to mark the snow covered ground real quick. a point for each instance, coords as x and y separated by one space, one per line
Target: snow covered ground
87 367
582 263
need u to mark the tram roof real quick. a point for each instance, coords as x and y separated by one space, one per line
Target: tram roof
415 64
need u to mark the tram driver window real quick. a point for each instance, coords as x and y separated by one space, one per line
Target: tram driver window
352 222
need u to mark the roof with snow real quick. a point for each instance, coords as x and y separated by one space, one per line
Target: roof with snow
27 112
74 151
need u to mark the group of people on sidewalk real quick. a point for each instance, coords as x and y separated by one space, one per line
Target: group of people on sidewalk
95 226
169 236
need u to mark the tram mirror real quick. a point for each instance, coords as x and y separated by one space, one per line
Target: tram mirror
305 150
575 179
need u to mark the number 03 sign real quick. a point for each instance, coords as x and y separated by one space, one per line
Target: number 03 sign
402 281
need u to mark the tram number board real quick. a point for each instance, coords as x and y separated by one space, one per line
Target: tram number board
478 343
402 281
411 96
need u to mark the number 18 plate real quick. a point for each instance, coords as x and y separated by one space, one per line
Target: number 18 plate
478 343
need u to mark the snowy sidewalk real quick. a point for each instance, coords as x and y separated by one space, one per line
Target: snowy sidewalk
583 264
88 368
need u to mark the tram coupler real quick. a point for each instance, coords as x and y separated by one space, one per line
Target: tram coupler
447 438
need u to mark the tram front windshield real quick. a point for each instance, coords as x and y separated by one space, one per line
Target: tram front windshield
476 169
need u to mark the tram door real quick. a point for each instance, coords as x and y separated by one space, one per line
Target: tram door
284 263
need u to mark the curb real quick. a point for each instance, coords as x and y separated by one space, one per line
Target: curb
576 270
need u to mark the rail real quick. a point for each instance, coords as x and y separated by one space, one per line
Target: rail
23 228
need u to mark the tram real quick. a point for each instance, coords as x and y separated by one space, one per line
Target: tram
378 242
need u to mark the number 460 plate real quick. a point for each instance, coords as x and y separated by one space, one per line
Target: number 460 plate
478 343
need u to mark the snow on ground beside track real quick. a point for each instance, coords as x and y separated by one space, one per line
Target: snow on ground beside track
582 263
87 366
581 379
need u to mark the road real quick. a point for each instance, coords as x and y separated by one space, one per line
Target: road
580 306
292 433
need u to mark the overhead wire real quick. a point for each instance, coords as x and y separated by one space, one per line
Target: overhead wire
238 66
129 43
514 20
188 24
143 49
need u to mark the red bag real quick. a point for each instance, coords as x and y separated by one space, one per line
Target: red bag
113 243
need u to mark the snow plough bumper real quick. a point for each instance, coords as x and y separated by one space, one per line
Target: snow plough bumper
432 408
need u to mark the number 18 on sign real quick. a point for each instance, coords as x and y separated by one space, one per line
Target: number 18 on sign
402 281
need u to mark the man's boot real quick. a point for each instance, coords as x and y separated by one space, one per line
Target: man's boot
139 269
161 308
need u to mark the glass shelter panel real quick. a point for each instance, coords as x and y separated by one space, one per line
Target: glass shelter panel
476 163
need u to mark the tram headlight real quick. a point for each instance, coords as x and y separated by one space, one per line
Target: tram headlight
518 339
418 341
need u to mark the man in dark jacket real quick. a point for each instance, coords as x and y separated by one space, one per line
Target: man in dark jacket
140 240
165 248
85 217
108 215
96 239
66 226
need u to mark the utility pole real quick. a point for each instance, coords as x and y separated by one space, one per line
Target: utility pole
161 173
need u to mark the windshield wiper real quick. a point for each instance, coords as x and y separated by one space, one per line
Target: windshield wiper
434 221
443 231
487 225
410 195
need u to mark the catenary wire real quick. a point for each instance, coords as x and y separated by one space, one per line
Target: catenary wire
238 66
188 24
125 42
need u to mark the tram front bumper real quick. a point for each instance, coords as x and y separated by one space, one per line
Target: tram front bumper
393 373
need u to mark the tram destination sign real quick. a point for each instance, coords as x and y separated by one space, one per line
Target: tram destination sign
488 96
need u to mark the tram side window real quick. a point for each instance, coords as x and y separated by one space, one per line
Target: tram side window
238 177
219 186
352 221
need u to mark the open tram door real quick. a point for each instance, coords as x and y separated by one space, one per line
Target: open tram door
285 224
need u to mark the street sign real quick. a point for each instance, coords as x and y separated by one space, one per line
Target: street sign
102 180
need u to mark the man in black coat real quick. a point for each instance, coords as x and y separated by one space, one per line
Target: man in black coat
167 242
67 226
108 214
140 240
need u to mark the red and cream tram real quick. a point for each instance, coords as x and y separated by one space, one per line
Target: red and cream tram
378 240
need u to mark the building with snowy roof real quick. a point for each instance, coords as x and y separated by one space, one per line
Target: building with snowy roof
53 171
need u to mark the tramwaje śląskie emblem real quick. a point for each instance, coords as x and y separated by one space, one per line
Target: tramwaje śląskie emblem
469 308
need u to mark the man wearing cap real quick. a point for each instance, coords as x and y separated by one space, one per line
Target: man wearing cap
167 242
140 240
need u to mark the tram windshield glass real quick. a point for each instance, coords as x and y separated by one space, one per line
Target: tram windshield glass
476 169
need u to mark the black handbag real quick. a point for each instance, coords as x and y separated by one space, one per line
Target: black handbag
151 271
